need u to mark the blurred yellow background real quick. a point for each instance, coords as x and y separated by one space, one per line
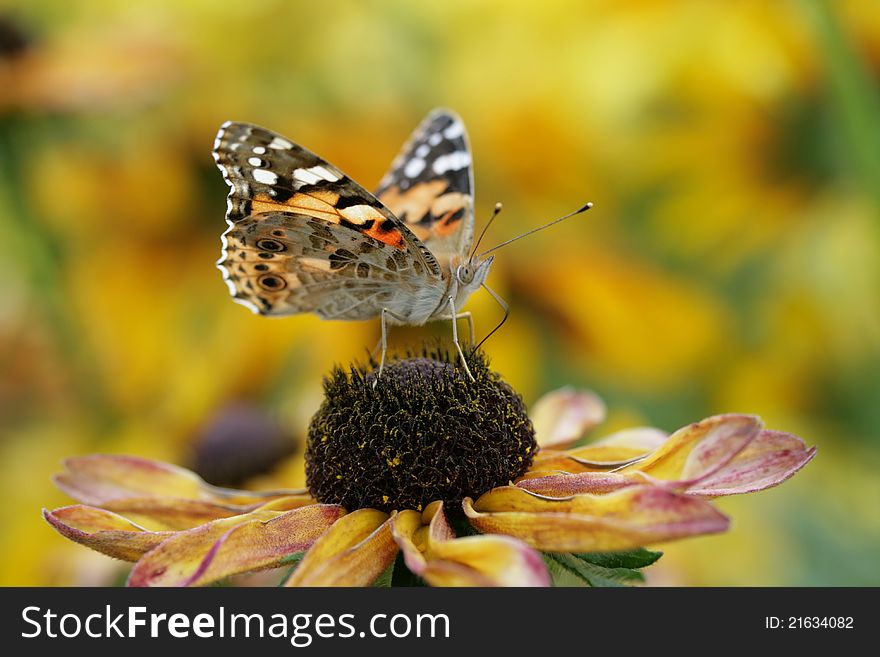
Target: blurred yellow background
731 261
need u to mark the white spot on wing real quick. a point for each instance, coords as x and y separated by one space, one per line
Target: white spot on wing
306 176
259 150
325 173
279 143
414 167
265 177
451 162
454 131
314 174
255 161
422 150
435 139
360 214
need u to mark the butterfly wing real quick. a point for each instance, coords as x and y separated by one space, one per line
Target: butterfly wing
430 186
304 237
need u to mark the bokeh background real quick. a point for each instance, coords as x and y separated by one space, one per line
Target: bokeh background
731 261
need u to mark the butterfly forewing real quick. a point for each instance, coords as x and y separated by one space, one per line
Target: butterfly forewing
430 186
304 237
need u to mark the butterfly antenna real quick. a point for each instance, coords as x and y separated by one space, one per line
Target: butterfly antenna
503 304
485 228
535 230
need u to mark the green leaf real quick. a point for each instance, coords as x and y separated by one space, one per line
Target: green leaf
384 580
638 558
573 570
562 576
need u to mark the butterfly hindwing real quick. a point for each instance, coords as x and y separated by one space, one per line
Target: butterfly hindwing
430 185
272 178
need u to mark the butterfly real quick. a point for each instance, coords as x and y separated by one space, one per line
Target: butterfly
303 237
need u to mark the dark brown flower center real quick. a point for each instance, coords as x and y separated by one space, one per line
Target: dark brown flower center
425 432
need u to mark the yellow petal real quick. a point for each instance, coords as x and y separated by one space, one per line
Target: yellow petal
104 531
563 416
218 549
404 526
441 559
628 518
353 552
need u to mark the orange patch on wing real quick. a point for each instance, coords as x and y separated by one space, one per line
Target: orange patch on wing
391 237
264 203
319 205
445 209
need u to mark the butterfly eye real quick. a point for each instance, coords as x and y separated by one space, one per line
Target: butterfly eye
270 245
271 282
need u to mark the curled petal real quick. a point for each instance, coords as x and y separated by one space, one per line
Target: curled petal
100 478
566 485
353 552
103 531
218 549
620 448
437 556
628 518
563 416
408 533
771 458
699 449
553 460
612 452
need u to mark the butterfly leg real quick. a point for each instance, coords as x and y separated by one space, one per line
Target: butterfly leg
454 317
470 320
383 341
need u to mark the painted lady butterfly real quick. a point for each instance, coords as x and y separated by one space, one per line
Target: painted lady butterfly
304 237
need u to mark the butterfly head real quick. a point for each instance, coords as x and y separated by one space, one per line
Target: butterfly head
470 274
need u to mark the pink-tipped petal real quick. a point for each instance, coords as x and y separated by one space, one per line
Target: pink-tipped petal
564 416
103 531
771 458
218 549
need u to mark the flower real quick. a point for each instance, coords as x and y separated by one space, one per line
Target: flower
444 474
